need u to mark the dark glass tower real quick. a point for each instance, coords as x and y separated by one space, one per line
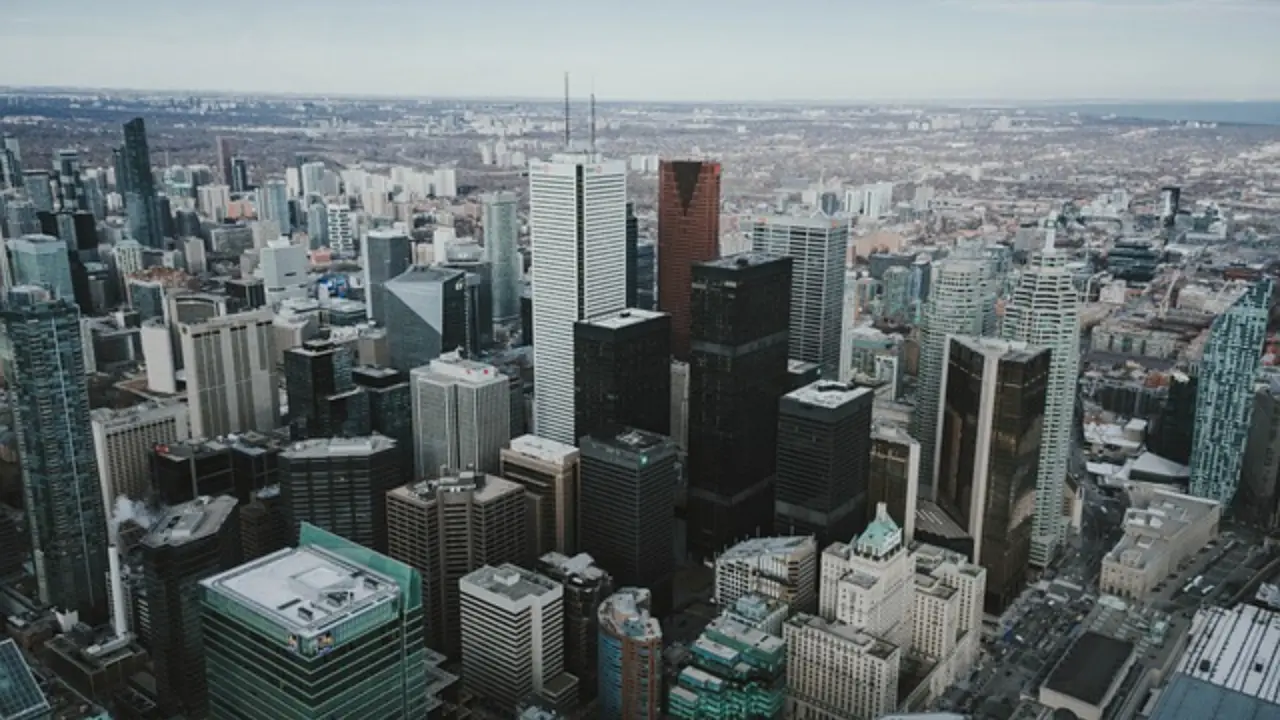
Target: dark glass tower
184 471
189 543
646 276
340 485
387 255
622 372
688 233
324 400
145 223
50 401
426 309
633 243
740 309
993 398
824 461
626 519
390 405
585 587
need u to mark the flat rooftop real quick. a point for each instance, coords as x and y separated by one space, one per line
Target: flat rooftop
426 274
1090 667
865 643
305 590
757 547
486 487
632 441
741 260
1004 349
190 521
581 569
623 318
1188 698
338 447
511 582
458 369
1236 649
543 449
828 394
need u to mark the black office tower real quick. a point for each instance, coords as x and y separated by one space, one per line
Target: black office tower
633 242
184 471
625 509
1175 424
740 313
388 253
622 372
145 224
340 485
324 400
264 526
390 405
824 461
585 587
189 543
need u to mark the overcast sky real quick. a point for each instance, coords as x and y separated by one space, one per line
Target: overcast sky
839 50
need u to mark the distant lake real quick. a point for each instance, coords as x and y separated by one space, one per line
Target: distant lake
1247 113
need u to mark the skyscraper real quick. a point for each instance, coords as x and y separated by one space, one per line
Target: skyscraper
988 449
956 307
1224 394
824 460
50 401
123 441
626 508
688 233
549 473
341 235
387 254
39 187
145 224
817 247
630 657
501 234
390 406
461 416
1043 312
42 260
895 476
427 306
740 310
622 372
585 587
324 400
231 374
577 221
226 148
327 629
189 543
70 184
273 204
732 665
340 485
633 244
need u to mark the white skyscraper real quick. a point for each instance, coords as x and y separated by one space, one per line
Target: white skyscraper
231 374
817 247
461 416
867 583
340 233
501 233
1045 312
284 270
578 227
123 441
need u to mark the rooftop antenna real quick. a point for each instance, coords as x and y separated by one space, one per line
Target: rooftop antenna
566 113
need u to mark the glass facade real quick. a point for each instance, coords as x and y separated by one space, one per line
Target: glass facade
387 255
735 672
426 308
341 485
501 230
324 400
629 657
688 233
622 373
145 223
42 260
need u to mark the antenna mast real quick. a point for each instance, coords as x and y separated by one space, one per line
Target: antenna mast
593 123
566 113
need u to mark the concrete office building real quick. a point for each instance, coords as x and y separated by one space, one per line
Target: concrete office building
513 637
461 416
626 519
630 656
577 225
622 372
340 485
1224 393
867 583
427 306
187 544
327 629
1044 312
1161 529
447 527
688 232
123 441
835 671
502 250
817 247
895 475
585 587
781 568
549 472
824 460
231 374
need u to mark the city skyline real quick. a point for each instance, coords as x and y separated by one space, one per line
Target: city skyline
917 49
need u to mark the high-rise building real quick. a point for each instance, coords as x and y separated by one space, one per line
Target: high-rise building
264 526
41 260
284 270
784 569
868 582
1044 312
991 423
823 660
327 629
312 174
513 636
390 406
577 222
387 254
44 370
340 485
1258 498
737 373
688 233
22 219
956 307
633 244
734 671
240 175
342 239
145 223
70 184
585 587
324 400
231 374
622 372
630 657
817 247
549 473
427 307
1224 394
895 476
461 416
646 296
447 527
188 543
1173 430
501 236
226 148
824 460
626 510
468 257
123 442
185 470
39 187
273 204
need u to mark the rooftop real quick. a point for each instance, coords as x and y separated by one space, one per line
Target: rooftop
1090 667
543 449
1188 698
1235 649
426 274
510 582
20 696
882 535
581 569
631 441
338 447
1005 349
741 260
623 318
190 521
626 614
828 393
866 643
933 520
1152 524
756 547
458 369
486 487
306 590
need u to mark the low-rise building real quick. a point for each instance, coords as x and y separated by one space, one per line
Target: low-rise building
782 568
1161 528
